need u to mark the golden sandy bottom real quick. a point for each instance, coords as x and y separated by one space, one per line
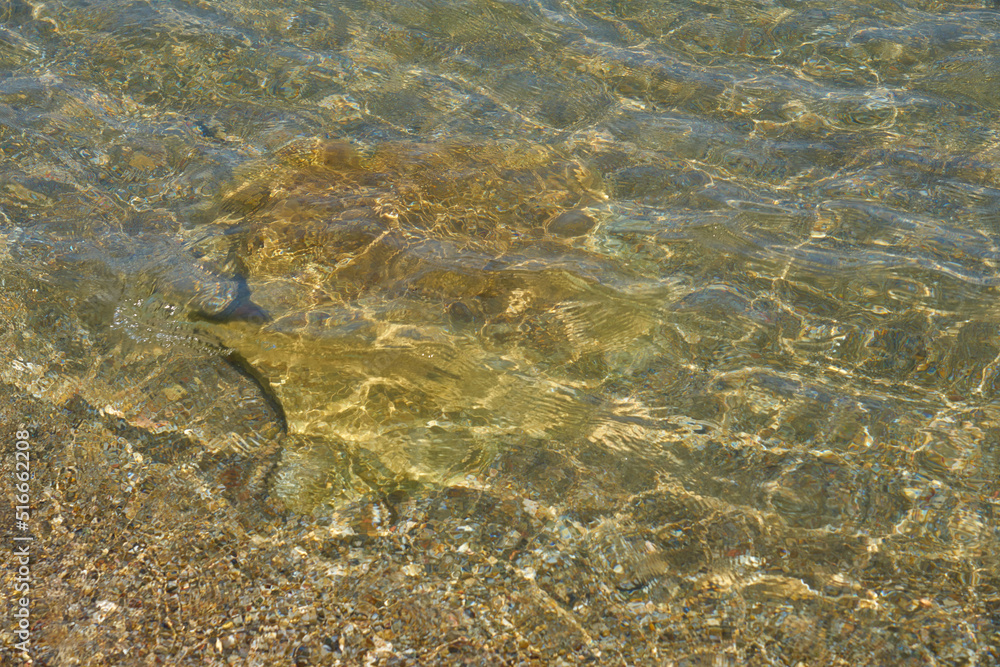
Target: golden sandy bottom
153 571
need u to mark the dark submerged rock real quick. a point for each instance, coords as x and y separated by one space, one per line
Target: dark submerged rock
571 224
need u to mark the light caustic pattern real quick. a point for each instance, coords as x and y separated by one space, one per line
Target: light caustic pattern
711 289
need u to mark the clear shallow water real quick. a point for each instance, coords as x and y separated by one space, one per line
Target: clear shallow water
707 290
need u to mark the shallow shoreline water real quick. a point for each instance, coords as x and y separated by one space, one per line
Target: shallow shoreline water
502 332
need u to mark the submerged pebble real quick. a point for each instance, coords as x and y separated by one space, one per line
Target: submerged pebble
571 224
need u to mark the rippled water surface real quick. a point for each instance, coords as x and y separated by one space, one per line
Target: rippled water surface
684 313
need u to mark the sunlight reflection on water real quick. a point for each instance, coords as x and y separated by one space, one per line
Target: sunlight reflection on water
710 288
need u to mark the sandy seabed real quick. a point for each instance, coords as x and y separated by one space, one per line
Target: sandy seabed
138 564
